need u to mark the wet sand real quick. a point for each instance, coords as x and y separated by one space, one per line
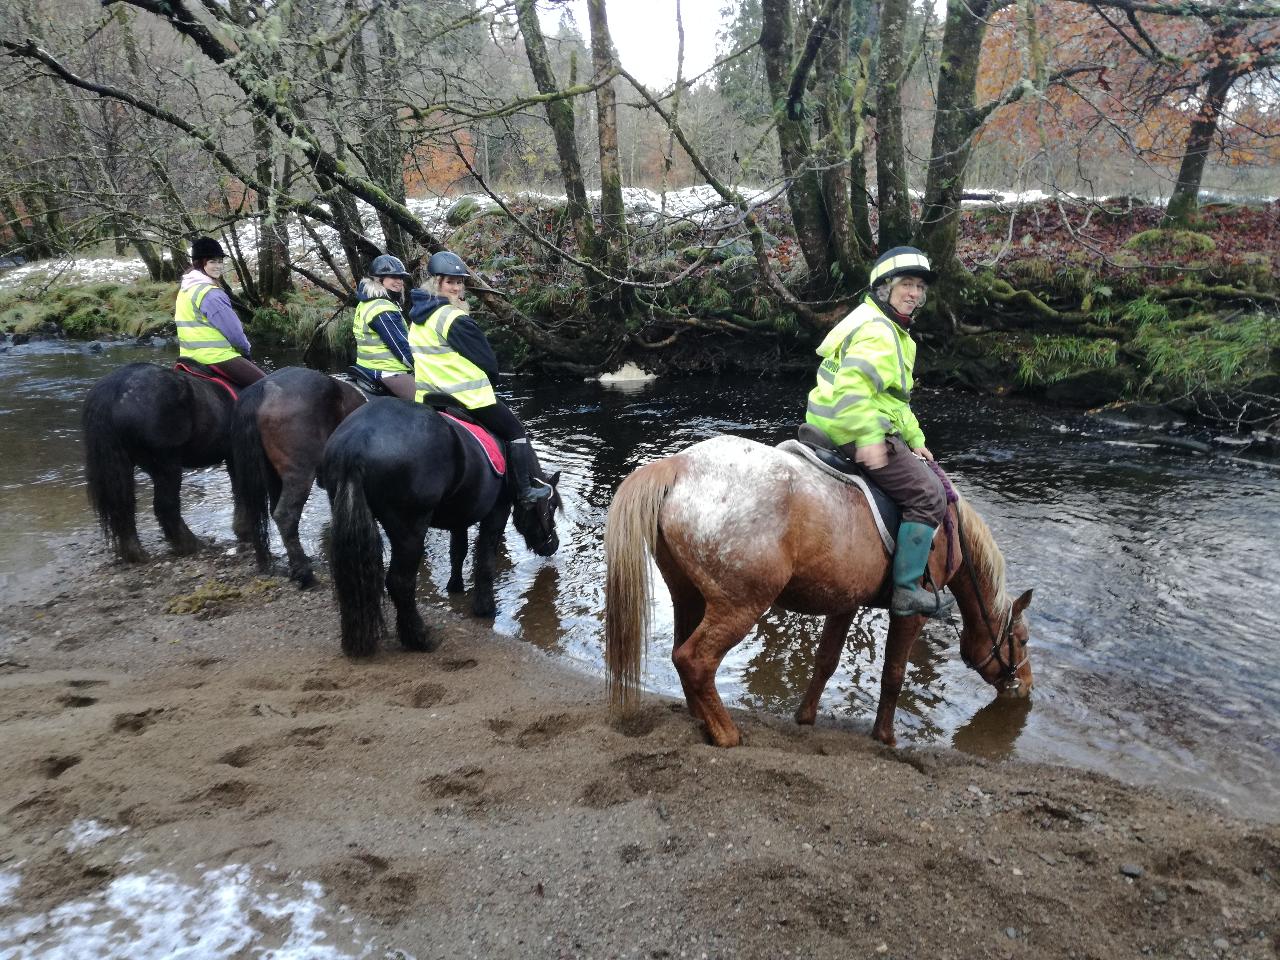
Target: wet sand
479 802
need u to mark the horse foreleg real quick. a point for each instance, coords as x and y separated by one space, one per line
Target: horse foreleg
698 659
167 481
457 554
486 562
825 662
407 549
295 488
902 634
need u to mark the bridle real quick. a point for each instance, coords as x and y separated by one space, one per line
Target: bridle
551 532
1009 666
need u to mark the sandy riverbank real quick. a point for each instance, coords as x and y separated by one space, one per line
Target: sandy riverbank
478 802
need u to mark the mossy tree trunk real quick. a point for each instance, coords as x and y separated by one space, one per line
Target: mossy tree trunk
809 213
1184 202
613 216
955 120
891 159
560 117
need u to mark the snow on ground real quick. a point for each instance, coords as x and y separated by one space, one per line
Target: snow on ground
89 833
700 204
155 915
75 272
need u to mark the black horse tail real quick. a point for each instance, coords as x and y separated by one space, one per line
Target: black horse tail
109 472
355 558
252 477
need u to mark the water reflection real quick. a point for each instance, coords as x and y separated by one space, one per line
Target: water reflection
993 731
1152 635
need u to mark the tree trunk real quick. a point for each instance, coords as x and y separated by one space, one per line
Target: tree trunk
954 121
1185 200
804 187
560 116
613 217
891 159
273 249
834 153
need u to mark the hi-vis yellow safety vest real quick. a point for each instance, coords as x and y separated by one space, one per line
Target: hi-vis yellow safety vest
198 339
438 368
371 352
864 383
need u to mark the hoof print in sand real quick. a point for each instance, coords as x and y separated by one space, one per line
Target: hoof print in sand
135 723
544 730
51 768
426 695
453 666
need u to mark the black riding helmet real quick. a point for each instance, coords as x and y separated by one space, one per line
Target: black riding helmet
207 248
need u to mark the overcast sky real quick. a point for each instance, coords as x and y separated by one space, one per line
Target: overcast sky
644 34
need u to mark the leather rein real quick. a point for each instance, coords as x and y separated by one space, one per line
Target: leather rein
1009 666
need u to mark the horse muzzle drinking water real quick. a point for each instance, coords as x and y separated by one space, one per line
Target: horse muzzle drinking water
736 527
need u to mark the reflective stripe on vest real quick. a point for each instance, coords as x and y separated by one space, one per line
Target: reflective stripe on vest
438 368
371 351
859 397
198 339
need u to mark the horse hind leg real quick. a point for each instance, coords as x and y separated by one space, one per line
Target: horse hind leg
407 549
698 659
292 496
688 609
825 662
167 481
457 555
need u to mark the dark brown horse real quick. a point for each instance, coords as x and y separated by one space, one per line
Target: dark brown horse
736 527
278 432
162 422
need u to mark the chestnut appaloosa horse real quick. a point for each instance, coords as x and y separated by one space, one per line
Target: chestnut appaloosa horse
736 527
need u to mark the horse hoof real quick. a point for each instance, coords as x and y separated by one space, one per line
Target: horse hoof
305 580
455 586
133 555
486 611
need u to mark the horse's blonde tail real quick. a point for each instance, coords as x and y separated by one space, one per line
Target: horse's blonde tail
629 539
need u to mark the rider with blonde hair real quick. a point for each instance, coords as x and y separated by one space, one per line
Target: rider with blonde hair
862 401
383 353
452 357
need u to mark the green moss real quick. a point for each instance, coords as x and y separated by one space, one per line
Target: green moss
1171 241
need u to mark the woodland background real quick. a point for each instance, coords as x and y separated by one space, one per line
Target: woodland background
309 136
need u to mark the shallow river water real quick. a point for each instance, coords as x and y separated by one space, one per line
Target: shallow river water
1154 624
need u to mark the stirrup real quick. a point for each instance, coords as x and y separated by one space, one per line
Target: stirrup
917 601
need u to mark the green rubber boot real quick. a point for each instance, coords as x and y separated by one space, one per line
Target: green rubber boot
909 563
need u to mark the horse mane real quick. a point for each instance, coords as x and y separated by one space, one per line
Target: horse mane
984 555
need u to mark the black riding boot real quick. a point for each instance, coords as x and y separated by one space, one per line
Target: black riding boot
520 454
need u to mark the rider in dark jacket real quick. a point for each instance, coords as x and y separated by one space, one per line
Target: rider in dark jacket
452 356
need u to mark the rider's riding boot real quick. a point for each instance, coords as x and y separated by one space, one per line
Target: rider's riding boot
909 563
521 456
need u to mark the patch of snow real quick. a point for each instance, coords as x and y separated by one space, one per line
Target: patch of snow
75 272
9 882
157 915
89 833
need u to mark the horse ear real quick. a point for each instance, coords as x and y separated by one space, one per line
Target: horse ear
555 478
1021 604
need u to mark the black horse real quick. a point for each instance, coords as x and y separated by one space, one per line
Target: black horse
403 466
278 433
163 422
